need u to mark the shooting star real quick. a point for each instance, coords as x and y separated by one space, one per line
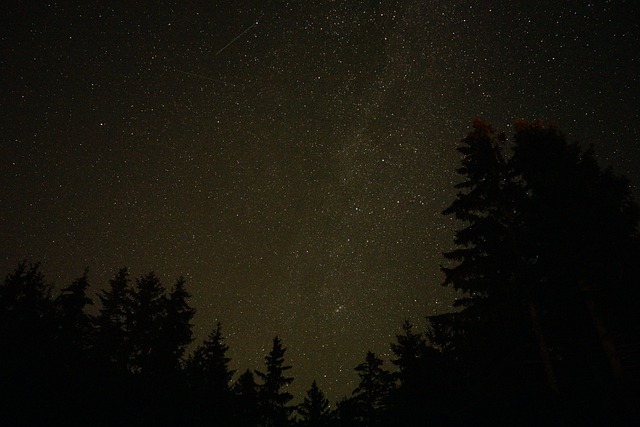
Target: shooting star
239 35
200 76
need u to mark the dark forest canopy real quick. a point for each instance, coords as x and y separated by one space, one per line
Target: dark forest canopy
545 330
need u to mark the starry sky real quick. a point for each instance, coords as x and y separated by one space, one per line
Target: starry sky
289 158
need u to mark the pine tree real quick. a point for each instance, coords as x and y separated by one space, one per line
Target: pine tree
487 202
145 325
111 344
246 393
410 349
176 328
209 377
373 391
26 297
423 376
490 267
273 399
208 366
27 341
77 382
74 323
314 409
546 253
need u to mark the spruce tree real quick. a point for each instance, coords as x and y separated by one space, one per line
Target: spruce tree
176 328
77 380
111 344
27 343
208 367
209 378
145 325
274 398
542 261
246 393
73 321
410 348
372 393
314 409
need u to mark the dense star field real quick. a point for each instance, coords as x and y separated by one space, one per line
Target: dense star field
291 159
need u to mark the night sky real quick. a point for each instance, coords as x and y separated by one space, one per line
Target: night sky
289 158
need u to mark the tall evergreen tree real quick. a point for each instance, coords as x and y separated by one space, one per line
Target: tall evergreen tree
373 391
424 375
411 358
246 392
314 409
547 246
491 269
27 341
145 325
74 322
26 297
208 366
410 349
77 383
111 344
274 400
176 328
209 378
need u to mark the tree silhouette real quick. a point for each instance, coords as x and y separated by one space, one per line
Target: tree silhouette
75 377
314 409
246 393
409 350
373 391
25 297
141 333
111 344
176 328
27 342
535 269
208 366
209 377
148 312
273 400
74 324
418 374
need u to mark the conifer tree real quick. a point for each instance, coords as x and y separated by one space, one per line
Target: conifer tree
28 328
274 398
209 378
25 296
111 344
73 321
314 409
410 348
145 325
176 328
246 392
373 391
546 252
490 267
208 366
76 379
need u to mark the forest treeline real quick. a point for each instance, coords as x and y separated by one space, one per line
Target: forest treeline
545 329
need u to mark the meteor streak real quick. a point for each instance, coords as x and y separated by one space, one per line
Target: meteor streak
239 35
